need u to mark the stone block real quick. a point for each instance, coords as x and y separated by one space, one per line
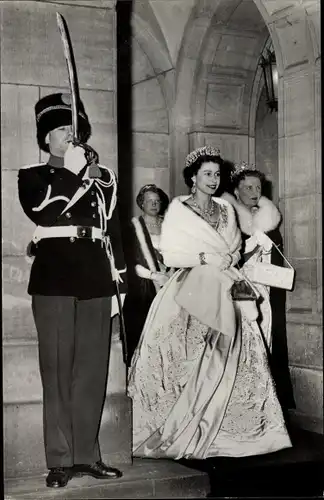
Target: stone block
314 26
298 103
237 51
318 131
21 378
31 49
23 436
233 147
17 229
103 4
150 113
300 226
246 16
168 82
172 17
141 65
115 435
275 7
281 114
117 369
182 487
293 37
301 420
305 345
150 150
17 319
308 390
224 105
23 440
18 126
148 33
303 296
300 168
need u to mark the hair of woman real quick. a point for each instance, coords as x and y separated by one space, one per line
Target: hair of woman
242 174
152 188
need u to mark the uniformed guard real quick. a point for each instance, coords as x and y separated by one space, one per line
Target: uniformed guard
77 255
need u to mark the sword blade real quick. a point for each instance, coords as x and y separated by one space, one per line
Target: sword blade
72 73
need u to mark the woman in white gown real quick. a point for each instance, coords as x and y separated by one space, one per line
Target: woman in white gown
199 378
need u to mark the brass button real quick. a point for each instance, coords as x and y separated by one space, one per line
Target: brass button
68 215
94 216
52 170
93 193
72 239
93 203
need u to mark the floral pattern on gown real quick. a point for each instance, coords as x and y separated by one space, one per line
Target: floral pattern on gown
164 365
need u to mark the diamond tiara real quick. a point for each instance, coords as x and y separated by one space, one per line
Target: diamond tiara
242 167
203 151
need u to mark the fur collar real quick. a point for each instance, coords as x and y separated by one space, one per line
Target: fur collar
265 219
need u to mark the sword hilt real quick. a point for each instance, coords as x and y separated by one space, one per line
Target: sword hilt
92 158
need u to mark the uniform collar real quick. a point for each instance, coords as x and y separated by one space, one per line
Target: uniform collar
55 161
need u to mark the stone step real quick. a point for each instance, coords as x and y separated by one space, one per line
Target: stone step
292 472
145 478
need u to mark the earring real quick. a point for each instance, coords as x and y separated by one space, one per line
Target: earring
193 189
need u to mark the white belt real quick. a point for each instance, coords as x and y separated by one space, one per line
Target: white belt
94 233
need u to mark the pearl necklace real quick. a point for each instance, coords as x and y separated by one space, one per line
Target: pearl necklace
154 224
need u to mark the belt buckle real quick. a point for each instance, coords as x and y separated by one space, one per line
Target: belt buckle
84 232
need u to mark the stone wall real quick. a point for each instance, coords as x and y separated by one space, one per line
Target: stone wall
33 65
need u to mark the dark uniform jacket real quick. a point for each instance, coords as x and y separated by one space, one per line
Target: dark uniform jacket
76 267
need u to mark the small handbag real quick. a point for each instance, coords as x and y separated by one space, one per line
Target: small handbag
242 290
271 275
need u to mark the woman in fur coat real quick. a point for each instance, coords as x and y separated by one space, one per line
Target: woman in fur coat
258 216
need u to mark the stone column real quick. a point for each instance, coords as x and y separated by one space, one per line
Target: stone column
295 31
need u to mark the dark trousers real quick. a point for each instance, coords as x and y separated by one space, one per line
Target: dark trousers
74 344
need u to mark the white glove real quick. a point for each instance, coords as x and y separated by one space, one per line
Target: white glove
263 240
160 278
74 158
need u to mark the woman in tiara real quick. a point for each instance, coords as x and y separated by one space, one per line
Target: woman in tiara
199 378
146 270
259 221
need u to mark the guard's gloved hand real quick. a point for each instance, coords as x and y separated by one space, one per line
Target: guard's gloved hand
75 158
92 158
91 154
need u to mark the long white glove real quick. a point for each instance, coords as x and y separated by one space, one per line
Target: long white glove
74 159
